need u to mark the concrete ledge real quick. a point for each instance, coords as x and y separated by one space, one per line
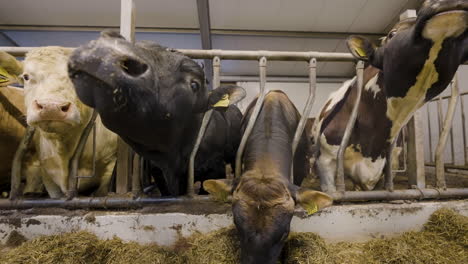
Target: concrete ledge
338 223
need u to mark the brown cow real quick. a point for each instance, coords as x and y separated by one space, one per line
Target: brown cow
13 126
263 199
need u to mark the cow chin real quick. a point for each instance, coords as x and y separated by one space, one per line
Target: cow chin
54 126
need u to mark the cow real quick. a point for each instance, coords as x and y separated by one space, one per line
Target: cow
12 128
416 62
154 98
263 198
53 108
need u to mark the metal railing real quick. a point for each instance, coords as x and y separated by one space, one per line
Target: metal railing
445 132
340 195
415 150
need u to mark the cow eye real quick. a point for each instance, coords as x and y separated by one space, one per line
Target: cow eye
195 86
26 77
391 34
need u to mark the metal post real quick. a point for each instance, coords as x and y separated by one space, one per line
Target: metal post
262 68
388 166
440 171
136 173
74 161
127 30
306 112
431 157
416 169
201 132
440 114
462 109
18 162
340 183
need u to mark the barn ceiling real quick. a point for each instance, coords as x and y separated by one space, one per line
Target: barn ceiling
299 25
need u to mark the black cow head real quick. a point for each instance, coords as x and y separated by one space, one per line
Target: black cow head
263 211
421 53
137 87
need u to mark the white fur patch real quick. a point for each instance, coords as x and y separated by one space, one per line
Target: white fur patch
372 85
362 170
337 95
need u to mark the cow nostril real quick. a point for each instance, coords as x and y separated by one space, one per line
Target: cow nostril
133 67
65 107
38 105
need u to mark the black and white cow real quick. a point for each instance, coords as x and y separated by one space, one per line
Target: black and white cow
416 62
154 98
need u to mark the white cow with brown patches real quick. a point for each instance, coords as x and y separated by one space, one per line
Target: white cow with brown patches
60 118
416 62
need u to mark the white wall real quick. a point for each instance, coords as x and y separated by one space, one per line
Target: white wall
297 92
431 108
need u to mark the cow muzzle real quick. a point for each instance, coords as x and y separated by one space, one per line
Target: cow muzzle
50 110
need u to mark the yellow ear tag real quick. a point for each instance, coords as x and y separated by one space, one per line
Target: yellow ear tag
360 52
4 76
312 209
224 102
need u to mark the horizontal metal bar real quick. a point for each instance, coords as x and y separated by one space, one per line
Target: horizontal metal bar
127 202
236 54
449 166
95 203
448 96
401 194
288 79
232 32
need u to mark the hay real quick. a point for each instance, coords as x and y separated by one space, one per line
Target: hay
83 247
221 247
444 239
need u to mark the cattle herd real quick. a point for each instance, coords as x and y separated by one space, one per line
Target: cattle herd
154 98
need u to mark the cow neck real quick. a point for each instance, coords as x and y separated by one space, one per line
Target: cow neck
372 128
269 145
60 145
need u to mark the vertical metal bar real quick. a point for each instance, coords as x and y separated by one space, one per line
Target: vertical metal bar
201 132
306 112
440 114
127 30
452 147
431 157
416 166
462 109
388 178
440 170
136 184
127 19
340 183
262 68
18 162
75 159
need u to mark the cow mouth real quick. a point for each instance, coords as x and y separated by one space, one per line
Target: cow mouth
87 84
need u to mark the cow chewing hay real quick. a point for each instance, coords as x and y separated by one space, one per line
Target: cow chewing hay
444 239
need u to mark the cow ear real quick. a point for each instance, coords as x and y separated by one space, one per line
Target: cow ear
360 47
224 96
219 189
363 49
312 201
10 69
